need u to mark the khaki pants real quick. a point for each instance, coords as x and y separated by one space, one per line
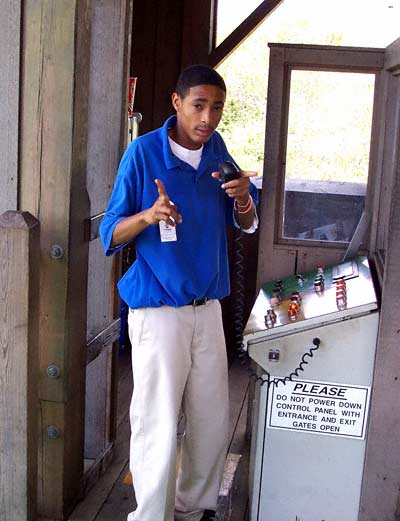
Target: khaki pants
178 362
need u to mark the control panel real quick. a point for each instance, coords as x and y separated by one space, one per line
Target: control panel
312 338
341 290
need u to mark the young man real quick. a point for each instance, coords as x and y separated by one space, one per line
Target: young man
168 198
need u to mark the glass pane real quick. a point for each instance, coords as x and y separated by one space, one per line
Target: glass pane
230 14
327 157
310 22
243 119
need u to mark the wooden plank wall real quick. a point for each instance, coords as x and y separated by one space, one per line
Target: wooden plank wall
155 58
53 143
107 121
19 299
10 34
197 31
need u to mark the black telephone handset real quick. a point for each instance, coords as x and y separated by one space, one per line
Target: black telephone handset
229 171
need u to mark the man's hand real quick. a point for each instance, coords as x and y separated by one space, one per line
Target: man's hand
238 188
163 209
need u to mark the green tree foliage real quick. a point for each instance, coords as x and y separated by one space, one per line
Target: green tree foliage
310 153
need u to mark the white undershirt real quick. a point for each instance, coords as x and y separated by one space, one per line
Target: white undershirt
192 157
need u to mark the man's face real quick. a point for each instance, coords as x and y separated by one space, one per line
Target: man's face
198 115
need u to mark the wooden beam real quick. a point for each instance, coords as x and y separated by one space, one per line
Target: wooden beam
109 65
167 53
380 492
380 498
10 38
144 33
19 345
197 33
102 340
241 32
392 58
53 148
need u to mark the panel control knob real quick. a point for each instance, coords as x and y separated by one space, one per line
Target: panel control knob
319 285
296 297
270 318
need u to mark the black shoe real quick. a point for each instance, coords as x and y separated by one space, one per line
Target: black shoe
209 515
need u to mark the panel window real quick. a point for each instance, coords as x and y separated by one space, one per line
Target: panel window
327 154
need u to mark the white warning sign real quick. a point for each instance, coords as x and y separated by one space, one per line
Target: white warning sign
321 408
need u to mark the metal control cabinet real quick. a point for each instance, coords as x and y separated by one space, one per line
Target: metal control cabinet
309 435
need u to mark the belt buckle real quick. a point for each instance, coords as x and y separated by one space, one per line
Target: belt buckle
199 302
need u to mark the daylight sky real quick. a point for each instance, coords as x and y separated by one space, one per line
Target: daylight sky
367 23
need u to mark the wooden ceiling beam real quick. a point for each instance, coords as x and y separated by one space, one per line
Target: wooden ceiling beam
242 31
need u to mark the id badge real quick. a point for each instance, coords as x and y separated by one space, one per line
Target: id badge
167 232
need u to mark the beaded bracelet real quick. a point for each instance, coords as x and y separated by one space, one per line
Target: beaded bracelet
243 205
247 207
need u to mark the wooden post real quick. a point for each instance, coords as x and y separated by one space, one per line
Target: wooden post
55 62
380 498
19 299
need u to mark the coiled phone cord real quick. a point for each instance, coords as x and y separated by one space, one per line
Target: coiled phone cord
229 171
277 380
238 308
266 377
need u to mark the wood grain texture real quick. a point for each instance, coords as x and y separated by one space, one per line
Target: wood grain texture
144 31
19 299
197 33
107 83
55 86
103 340
10 35
109 65
96 419
100 310
392 57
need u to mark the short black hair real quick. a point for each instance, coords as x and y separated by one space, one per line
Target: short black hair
198 75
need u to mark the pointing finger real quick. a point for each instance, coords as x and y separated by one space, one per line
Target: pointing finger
160 187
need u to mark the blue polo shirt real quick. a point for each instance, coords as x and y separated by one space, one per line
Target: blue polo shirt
196 264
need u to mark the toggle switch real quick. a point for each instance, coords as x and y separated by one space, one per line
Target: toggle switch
296 297
270 318
319 285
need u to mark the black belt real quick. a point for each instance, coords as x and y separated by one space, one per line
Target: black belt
198 302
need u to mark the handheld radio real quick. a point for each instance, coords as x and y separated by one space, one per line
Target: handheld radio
229 171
